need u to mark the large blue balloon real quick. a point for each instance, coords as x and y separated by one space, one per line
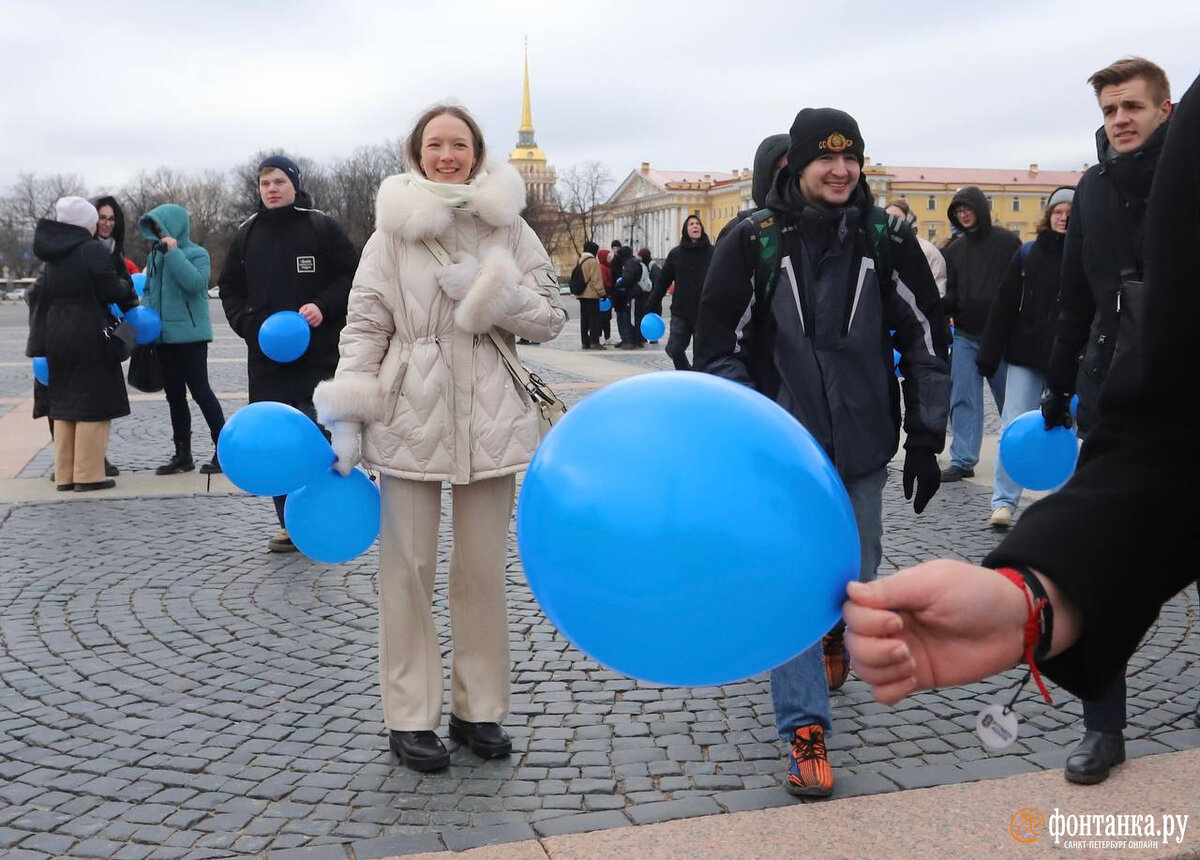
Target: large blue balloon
333 518
653 326
734 548
284 336
41 369
139 283
272 449
146 322
1037 458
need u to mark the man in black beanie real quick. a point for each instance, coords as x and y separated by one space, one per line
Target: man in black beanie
288 256
799 303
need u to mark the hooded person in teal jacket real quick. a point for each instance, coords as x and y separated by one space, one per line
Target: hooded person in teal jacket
177 274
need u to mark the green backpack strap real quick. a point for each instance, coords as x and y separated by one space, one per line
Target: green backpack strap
766 270
881 227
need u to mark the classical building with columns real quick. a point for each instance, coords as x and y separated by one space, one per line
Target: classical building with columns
648 208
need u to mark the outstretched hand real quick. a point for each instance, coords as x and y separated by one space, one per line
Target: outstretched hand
934 625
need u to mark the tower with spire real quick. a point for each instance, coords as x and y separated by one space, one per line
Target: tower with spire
528 158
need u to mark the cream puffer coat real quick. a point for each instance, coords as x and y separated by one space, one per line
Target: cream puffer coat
416 366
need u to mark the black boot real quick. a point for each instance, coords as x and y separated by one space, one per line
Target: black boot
486 740
110 471
182 461
419 750
1097 754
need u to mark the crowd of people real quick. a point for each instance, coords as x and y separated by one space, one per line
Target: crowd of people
805 298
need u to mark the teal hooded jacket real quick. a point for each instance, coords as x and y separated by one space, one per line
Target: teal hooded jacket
177 280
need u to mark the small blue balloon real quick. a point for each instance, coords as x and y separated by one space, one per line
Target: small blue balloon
896 363
725 597
41 369
139 283
653 326
284 336
1074 407
1037 458
333 518
146 322
605 305
272 449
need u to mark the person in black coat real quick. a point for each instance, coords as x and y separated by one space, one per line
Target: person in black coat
626 272
1105 546
68 317
288 257
975 264
1020 331
686 267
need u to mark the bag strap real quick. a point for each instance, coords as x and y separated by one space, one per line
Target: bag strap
531 382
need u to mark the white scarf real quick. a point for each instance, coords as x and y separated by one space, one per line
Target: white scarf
453 194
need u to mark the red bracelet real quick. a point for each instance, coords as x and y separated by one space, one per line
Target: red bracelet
1032 626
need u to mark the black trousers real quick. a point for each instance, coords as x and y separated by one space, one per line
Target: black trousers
682 330
591 321
305 406
639 302
185 366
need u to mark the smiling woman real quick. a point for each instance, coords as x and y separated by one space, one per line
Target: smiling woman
423 382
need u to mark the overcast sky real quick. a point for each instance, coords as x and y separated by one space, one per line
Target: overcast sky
105 89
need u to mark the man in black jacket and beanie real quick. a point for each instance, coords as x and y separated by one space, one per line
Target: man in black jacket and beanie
1101 287
815 337
685 267
288 257
975 265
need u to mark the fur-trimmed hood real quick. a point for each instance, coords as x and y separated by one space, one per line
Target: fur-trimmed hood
406 209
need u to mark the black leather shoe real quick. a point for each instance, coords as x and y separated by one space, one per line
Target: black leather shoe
953 473
419 750
486 740
110 471
107 484
1097 754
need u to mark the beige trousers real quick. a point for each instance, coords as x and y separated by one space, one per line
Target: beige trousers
79 448
410 660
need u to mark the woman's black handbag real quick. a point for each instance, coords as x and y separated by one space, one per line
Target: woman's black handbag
120 337
145 373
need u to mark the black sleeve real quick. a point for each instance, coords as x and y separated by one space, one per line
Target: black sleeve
1077 307
725 340
666 275
106 286
231 286
342 258
1001 318
1116 537
914 310
950 302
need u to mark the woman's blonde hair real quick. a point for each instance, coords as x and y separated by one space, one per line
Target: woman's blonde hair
412 145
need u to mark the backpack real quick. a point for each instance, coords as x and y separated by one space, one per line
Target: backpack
881 228
578 281
644 281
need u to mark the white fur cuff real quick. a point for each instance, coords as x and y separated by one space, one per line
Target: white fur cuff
349 397
484 304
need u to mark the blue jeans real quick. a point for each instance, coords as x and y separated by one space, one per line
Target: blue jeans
799 689
966 401
1022 393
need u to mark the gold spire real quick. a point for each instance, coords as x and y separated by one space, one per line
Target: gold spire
526 110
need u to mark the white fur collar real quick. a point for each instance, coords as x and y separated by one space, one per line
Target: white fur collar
403 208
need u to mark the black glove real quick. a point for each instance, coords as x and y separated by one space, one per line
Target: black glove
986 370
921 468
1056 409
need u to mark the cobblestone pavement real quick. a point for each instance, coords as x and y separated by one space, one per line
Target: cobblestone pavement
169 689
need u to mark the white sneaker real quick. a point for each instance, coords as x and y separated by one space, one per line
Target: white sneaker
1002 517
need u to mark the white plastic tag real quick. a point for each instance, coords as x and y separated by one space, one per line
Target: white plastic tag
997 727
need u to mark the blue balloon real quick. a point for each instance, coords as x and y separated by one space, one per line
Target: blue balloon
146 322
1074 406
139 283
741 549
41 369
896 363
605 305
284 336
333 518
272 449
1037 458
653 326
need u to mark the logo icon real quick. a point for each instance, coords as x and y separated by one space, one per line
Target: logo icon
1027 825
836 142
306 264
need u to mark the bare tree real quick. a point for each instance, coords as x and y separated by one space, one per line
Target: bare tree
356 180
581 189
30 198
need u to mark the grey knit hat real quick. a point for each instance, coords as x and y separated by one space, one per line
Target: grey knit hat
1063 194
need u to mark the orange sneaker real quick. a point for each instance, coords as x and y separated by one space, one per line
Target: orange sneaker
837 661
808 770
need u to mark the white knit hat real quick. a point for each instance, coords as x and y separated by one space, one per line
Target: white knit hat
77 211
